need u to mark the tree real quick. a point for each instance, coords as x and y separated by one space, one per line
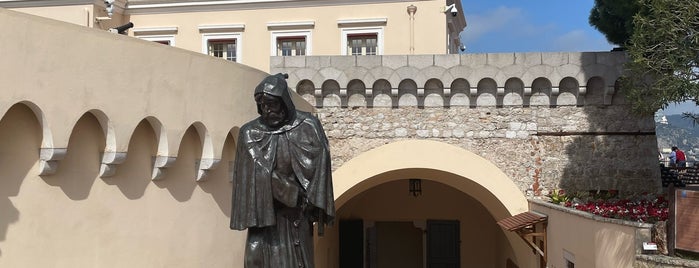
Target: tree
663 55
614 18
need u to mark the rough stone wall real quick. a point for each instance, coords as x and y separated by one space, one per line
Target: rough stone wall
548 120
540 148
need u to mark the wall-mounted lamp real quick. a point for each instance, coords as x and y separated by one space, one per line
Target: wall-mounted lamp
415 187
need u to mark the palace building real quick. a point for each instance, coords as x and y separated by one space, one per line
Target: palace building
117 140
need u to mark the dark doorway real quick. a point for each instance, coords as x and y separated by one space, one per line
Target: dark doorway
351 243
443 244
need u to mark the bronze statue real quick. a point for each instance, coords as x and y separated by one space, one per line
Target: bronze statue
282 180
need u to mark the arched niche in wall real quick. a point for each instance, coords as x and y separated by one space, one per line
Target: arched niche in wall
568 90
356 92
595 91
307 89
541 92
460 90
617 96
331 94
434 93
514 92
487 93
381 94
407 93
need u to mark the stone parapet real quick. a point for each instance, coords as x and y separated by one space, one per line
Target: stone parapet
473 80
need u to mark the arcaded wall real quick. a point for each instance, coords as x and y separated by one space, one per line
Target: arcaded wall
115 152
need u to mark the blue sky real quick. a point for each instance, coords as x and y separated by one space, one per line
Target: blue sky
524 26
536 25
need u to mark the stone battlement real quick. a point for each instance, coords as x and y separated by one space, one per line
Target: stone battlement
472 80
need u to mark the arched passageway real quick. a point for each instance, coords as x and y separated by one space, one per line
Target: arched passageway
463 195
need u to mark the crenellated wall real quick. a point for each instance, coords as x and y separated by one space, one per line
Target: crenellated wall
548 120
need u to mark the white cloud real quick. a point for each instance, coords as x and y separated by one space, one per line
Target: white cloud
493 21
579 40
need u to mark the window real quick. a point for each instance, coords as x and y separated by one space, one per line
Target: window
165 40
291 46
362 44
291 43
163 35
362 41
223 48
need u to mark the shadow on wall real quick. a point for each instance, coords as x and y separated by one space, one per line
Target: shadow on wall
616 150
79 169
179 179
20 139
134 175
219 185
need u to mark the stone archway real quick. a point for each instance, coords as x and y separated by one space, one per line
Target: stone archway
457 168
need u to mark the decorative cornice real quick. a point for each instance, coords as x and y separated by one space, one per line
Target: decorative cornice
221 27
292 24
152 30
375 21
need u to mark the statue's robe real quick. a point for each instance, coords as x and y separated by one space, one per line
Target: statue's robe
281 185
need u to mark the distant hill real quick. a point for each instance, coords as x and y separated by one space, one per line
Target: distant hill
678 131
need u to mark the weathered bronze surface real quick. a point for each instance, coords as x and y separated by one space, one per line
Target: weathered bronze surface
282 180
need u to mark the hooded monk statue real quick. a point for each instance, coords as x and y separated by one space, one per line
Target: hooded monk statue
282 181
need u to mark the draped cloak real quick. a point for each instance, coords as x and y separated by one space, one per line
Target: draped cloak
282 183
253 197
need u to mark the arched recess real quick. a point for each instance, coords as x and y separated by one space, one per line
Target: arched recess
514 92
356 92
487 93
614 97
595 91
407 93
331 94
47 137
381 94
568 92
434 93
307 89
460 90
541 92
435 161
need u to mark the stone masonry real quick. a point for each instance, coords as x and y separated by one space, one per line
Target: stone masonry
547 120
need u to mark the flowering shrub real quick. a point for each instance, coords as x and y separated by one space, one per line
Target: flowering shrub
648 208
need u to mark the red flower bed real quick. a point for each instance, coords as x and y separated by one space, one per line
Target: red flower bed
646 208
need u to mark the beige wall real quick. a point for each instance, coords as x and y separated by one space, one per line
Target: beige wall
326 33
78 14
80 89
593 241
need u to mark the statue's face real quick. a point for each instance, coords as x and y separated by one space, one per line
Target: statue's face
273 112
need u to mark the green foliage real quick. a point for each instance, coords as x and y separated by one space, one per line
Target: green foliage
559 196
614 18
663 55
